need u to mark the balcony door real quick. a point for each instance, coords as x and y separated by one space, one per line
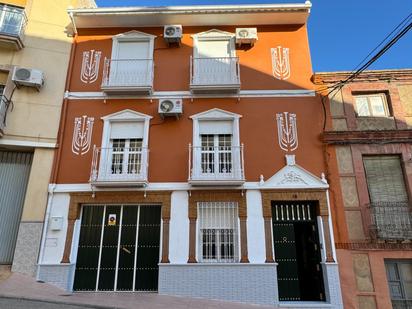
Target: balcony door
131 63
214 62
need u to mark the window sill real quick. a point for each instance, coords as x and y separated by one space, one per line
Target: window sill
305 304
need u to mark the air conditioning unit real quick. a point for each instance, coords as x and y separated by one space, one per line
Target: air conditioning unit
172 33
170 107
28 77
246 36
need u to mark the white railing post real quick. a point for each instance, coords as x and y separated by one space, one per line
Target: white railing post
242 164
190 159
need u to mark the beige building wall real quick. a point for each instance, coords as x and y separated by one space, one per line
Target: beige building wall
33 123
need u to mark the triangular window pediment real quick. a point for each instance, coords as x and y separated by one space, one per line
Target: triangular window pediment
127 114
213 33
215 114
134 34
293 176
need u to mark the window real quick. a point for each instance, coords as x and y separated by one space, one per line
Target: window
123 156
126 156
218 232
216 153
399 275
390 212
372 105
11 20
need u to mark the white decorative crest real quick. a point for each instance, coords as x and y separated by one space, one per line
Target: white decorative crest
292 178
82 134
287 131
90 66
280 62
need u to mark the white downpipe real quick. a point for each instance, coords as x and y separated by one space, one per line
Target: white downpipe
332 238
45 227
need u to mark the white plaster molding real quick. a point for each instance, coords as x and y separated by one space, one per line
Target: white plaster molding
292 176
87 95
19 143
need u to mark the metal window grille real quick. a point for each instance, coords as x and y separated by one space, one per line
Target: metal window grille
126 156
216 153
218 232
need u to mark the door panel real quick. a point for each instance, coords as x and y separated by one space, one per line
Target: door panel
109 250
297 251
89 248
127 249
121 254
148 249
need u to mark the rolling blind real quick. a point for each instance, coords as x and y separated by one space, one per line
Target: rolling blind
385 179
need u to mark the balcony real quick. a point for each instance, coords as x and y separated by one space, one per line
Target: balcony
4 105
128 76
119 167
390 221
214 75
216 165
12 23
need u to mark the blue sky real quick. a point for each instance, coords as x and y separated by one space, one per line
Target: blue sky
341 32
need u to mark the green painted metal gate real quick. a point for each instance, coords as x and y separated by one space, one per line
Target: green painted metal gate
297 251
119 248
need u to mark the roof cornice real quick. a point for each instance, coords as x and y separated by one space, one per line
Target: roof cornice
296 13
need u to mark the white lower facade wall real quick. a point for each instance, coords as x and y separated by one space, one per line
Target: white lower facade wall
246 283
253 282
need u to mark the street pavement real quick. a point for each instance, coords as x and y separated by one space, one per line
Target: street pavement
11 303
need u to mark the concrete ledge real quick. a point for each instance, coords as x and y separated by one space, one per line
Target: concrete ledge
246 283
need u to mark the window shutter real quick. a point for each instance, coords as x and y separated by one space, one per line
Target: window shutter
216 127
385 179
127 129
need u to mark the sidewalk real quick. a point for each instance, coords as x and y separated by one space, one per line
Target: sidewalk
23 287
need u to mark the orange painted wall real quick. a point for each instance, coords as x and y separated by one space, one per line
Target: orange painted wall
172 65
169 139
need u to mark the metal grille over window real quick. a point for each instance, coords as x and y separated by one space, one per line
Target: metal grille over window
218 232
126 156
389 208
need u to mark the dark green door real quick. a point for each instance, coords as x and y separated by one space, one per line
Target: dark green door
297 251
118 248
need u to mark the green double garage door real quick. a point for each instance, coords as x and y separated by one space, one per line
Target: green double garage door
118 248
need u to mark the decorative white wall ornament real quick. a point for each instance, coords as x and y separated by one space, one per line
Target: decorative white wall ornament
90 66
82 134
287 131
280 62
292 178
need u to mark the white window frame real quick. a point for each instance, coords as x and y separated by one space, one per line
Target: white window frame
370 110
125 116
214 116
132 36
214 35
236 238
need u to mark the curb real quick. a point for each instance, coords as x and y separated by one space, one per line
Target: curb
81 305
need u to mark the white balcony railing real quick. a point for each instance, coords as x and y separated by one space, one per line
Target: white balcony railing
111 167
128 75
214 74
216 165
12 24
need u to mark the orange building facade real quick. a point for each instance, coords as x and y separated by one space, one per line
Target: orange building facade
189 160
370 134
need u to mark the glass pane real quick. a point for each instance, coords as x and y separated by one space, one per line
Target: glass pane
392 272
362 106
408 289
377 106
405 270
12 20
